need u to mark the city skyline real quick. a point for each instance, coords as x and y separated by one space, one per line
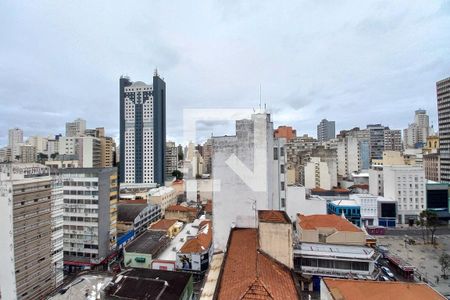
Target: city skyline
313 71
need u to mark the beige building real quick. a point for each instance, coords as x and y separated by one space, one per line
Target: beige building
27 221
170 226
330 229
390 158
162 196
275 235
432 166
182 213
27 154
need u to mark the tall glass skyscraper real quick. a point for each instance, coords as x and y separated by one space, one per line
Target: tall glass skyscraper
142 131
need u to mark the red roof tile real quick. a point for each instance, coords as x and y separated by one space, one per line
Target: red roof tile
328 221
201 242
273 216
181 208
163 224
344 289
250 274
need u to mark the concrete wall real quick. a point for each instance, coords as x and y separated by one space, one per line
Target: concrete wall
276 240
347 238
247 187
296 202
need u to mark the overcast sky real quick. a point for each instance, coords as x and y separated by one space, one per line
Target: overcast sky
355 62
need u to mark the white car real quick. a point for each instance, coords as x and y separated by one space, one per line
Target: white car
388 272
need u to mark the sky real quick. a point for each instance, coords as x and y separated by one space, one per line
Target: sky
355 62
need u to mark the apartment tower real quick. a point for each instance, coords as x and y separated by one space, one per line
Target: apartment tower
443 104
142 130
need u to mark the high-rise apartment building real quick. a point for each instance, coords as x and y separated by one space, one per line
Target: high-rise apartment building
15 139
30 231
376 140
27 154
443 104
326 130
415 136
76 128
171 158
207 156
392 140
40 142
142 131
90 215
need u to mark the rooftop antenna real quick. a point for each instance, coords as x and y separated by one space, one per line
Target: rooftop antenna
260 97
156 71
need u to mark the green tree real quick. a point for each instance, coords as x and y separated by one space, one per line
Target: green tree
444 261
177 174
421 223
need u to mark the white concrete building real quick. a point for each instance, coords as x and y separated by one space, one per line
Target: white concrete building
244 169
15 139
162 196
299 201
348 157
416 134
90 215
75 128
67 145
30 231
320 174
39 142
407 185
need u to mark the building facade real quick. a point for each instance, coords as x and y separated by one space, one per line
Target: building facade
326 130
90 215
171 158
76 128
142 131
406 185
392 140
443 103
30 231
15 139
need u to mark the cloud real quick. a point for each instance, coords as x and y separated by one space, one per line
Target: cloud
350 61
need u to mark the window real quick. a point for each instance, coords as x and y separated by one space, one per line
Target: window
275 153
283 202
282 169
282 185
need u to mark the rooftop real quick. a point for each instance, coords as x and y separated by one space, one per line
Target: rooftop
343 289
342 251
326 221
148 284
170 253
127 212
181 208
150 242
163 224
251 274
273 216
201 242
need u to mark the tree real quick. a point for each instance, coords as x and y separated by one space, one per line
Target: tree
421 223
432 224
177 174
444 261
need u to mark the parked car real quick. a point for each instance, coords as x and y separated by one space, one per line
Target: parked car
384 278
388 272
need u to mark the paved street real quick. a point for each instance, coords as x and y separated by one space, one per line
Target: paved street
415 231
423 257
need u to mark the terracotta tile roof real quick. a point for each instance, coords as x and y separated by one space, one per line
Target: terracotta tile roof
250 274
340 190
273 216
328 221
136 201
201 242
343 289
181 208
360 186
317 189
163 224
